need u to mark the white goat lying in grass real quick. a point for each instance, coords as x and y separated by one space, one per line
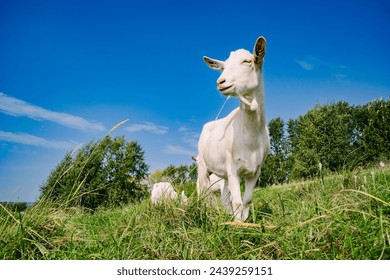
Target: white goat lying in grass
164 191
236 146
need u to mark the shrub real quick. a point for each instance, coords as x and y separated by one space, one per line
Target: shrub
104 173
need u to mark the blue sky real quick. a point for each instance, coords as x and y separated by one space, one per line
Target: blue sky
71 70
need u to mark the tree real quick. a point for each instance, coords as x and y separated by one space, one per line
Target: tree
275 169
182 177
157 176
103 173
179 175
374 130
326 135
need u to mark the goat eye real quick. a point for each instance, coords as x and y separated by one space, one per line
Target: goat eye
247 61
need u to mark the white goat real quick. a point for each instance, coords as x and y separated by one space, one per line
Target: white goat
236 146
164 191
216 183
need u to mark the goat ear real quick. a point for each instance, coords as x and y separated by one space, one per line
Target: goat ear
259 50
213 63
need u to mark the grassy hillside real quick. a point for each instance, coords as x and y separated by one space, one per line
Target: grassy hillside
343 216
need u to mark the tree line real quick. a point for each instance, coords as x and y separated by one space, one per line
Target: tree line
336 136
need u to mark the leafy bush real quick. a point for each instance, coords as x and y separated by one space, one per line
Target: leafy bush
102 173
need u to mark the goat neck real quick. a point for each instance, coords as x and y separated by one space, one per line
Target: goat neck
253 104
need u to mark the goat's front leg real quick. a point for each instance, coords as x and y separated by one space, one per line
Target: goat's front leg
248 195
226 198
203 181
234 188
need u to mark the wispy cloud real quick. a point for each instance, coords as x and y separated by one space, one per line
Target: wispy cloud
339 76
304 64
16 107
147 126
28 139
188 136
179 150
310 63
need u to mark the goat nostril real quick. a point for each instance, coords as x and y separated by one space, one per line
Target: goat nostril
221 81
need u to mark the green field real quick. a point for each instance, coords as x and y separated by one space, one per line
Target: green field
339 216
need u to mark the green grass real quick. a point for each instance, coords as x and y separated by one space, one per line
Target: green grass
342 216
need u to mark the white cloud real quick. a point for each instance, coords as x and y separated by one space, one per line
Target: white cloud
305 65
188 136
183 129
310 63
16 107
28 139
147 126
179 150
339 76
